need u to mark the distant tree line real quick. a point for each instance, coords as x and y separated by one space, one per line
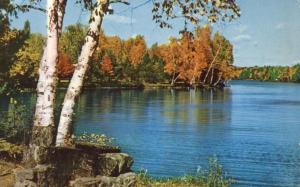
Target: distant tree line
201 58
271 73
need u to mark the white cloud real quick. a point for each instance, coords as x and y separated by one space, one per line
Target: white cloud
242 37
120 19
280 26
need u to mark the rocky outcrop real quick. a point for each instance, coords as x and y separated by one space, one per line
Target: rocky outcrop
112 164
124 180
84 165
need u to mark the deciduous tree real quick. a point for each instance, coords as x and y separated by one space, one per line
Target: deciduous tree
25 68
65 66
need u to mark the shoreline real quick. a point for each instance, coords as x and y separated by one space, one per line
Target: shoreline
179 86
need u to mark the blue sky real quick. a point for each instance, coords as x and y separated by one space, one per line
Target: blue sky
267 33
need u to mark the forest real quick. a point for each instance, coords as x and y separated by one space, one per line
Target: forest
201 58
271 73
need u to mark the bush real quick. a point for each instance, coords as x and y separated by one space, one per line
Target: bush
15 123
214 177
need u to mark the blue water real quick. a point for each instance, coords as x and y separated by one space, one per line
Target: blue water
252 127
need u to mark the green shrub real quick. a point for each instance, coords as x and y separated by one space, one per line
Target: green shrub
15 123
213 177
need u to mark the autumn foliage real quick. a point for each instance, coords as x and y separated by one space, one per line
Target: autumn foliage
198 59
107 66
194 59
65 67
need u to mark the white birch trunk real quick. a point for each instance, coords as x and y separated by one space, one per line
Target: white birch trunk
46 84
40 90
65 123
43 126
43 64
61 14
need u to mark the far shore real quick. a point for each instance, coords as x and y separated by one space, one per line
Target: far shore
63 85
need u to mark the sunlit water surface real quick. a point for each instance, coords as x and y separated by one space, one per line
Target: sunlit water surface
252 127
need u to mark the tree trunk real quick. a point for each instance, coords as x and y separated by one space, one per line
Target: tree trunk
42 134
212 76
43 126
216 83
173 78
61 14
65 123
193 78
211 64
52 36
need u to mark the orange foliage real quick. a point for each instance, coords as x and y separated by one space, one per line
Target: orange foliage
187 57
136 49
111 43
197 58
65 66
106 66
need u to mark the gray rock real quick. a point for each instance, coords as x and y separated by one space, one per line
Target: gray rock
57 166
25 183
86 182
25 174
113 164
124 180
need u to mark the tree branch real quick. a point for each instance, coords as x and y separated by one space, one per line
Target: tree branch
33 7
120 1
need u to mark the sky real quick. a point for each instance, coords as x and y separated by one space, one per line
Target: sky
267 33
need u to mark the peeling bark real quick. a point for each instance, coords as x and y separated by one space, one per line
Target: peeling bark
46 87
65 123
43 130
47 71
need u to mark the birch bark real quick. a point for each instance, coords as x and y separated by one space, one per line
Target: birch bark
63 137
43 125
44 114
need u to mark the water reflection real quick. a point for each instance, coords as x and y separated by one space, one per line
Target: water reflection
201 107
174 106
253 127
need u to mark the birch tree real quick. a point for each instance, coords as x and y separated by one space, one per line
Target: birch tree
43 127
63 137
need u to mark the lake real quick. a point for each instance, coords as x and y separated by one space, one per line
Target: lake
252 127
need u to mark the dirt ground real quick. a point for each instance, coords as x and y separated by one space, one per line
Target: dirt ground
7 178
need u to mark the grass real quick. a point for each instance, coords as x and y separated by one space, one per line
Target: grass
213 177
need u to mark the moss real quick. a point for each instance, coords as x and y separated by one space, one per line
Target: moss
43 135
11 152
